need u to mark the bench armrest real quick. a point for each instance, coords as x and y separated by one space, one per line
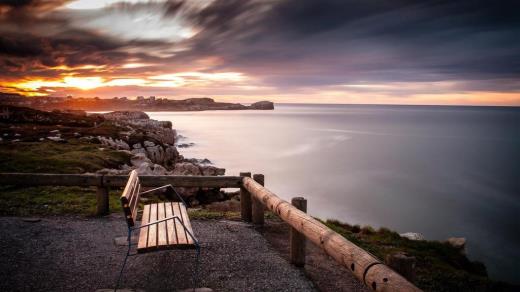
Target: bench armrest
166 186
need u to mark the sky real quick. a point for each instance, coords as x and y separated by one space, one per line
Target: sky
301 51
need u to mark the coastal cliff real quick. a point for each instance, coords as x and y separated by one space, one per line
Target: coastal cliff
124 104
131 140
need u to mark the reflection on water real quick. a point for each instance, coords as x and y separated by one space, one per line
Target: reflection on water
440 171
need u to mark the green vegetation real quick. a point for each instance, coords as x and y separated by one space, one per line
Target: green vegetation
51 157
18 201
440 267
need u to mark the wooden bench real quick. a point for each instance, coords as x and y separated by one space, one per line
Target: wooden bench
163 225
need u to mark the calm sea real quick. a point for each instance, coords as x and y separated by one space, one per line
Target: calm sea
439 171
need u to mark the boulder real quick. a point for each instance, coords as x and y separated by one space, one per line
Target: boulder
457 242
186 168
56 139
412 236
262 105
139 158
148 144
212 170
156 154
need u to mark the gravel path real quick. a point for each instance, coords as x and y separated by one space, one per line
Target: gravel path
79 254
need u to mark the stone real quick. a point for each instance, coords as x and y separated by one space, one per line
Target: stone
31 219
412 236
137 146
212 170
186 168
54 131
262 105
155 153
457 242
56 139
138 159
403 264
148 144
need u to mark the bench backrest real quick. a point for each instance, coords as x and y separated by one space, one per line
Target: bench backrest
130 198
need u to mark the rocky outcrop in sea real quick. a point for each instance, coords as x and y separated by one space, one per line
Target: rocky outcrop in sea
152 145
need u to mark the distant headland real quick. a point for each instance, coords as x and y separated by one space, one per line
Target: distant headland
123 103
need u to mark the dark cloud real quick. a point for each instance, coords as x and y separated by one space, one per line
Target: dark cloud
288 44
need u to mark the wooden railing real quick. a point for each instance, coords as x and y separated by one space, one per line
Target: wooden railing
255 198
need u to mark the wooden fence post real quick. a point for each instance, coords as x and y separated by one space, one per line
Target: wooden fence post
245 201
258 207
296 238
102 201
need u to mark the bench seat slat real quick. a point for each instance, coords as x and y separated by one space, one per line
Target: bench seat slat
172 234
152 229
143 234
162 232
165 235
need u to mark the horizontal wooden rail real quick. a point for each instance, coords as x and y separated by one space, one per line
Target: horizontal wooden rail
366 267
86 180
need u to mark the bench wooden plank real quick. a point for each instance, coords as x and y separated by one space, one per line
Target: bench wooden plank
187 223
179 230
181 237
162 232
172 235
143 234
152 230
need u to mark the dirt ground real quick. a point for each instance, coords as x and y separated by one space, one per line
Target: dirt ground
326 274
79 254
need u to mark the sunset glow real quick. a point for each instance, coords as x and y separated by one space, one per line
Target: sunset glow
179 49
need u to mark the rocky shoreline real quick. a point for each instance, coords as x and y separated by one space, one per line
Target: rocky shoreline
151 145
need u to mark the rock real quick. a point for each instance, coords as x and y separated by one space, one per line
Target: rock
17 135
185 145
150 169
56 139
41 139
158 170
54 131
137 146
212 170
76 134
262 105
148 144
31 219
138 159
457 242
412 236
117 144
126 115
139 150
186 168
155 153
122 290
403 264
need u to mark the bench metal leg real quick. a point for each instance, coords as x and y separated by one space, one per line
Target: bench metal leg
124 262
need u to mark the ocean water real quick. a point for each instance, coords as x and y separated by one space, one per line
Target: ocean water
439 171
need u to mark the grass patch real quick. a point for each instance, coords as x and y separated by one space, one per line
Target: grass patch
52 157
18 201
207 214
440 267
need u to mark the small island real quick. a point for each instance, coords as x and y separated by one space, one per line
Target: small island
125 104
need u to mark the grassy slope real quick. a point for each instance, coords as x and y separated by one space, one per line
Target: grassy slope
51 157
440 267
